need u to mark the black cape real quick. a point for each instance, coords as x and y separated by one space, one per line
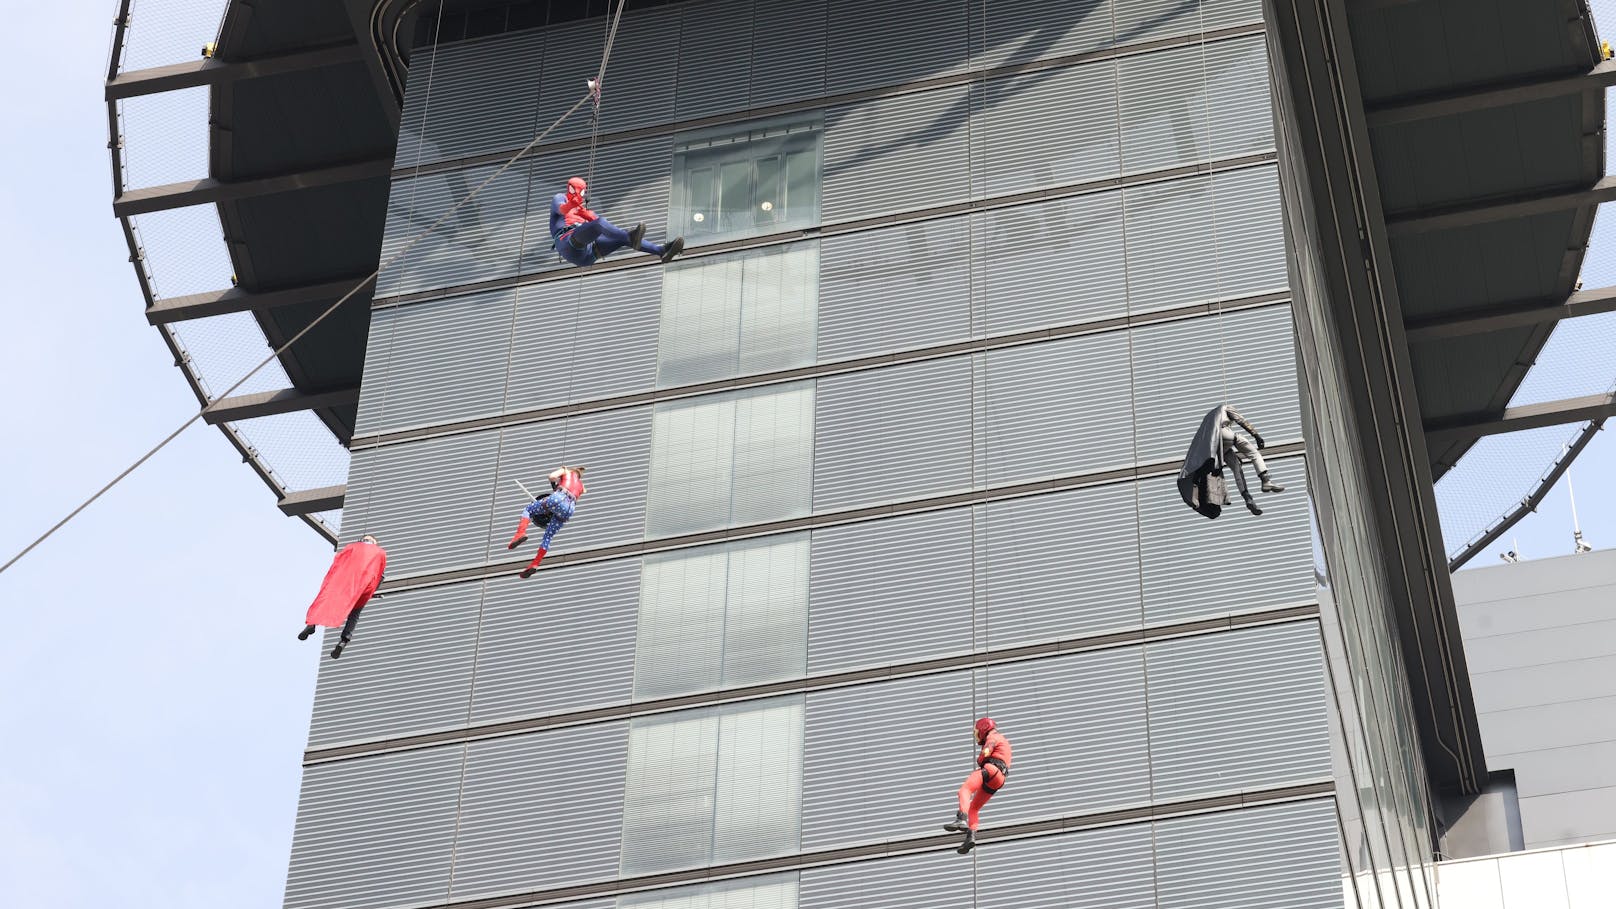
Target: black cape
1200 480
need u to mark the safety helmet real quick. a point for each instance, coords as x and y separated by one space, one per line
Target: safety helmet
576 187
984 726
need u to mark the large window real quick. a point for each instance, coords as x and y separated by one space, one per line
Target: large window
738 314
722 616
719 784
758 180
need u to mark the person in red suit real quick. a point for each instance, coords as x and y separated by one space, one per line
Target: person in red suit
352 580
583 237
993 763
550 512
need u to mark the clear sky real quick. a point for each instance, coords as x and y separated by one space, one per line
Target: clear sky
153 697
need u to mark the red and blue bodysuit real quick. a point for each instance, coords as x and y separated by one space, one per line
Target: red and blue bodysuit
550 512
582 237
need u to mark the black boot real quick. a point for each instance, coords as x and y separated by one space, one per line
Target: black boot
957 824
1269 485
304 634
1251 504
336 652
635 236
674 248
969 844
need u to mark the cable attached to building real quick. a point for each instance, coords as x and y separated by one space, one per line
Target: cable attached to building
593 94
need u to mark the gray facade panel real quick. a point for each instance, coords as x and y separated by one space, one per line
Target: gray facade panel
1142 20
913 750
1049 128
1089 869
1250 236
1237 90
908 429
788 52
408 670
897 153
376 831
1163 110
1240 710
641 79
542 343
1058 409
556 642
1021 31
936 880
436 362
890 591
477 95
895 288
614 346
480 241
428 502
1059 565
615 446
1277 857
911 39
1052 263
1077 725
715 59
513 834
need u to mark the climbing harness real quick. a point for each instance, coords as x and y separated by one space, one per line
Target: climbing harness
592 94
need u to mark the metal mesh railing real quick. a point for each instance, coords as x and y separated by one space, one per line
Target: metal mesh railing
161 139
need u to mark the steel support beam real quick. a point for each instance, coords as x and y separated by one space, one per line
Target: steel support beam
1488 212
312 501
1519 314
224 302
1515 419
270 403
194 73
1446 105
199 192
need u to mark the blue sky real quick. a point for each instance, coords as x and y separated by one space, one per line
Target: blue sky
155 698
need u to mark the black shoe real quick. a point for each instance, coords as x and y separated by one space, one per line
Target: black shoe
674 248
957 824
304 634
1270 486
635 236
1251 506
336 652
969 844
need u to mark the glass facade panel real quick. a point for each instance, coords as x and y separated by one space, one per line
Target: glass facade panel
757 180
737 314
714 784
774 892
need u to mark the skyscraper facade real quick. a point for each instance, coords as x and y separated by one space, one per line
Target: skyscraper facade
893 446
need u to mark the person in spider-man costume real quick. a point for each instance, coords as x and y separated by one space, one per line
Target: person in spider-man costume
583 237
993 763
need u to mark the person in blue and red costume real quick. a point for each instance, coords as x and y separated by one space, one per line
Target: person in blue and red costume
349 584
993 759
550 512
583 237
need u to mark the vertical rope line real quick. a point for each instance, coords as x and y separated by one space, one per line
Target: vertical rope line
1212 195
600 86
409 215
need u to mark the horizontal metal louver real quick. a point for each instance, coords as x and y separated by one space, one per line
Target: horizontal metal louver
1224 13
788 51
614 347
890 591
902 746
479 242
912 39
1250 232
1021 31
1184 369
1086 869
1050 127
470 97
775 891
375 832
773 467
897 153
1164 114
437 362
408 669
1077 727
514 831
642 77
1277 857
895 288
1057 409
935 880
427 501
893 434
1239 710
715 58
542 345
631 185
1237 89
1059 565
563 80
615 446
1142 20
1052 263
560 641
1194 568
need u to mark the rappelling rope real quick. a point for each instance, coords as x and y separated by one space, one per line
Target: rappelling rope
595 90
1212 193
414 241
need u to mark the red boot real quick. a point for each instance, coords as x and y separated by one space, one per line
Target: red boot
533 565
521 533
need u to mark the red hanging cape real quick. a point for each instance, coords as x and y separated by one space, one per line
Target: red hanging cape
354 576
